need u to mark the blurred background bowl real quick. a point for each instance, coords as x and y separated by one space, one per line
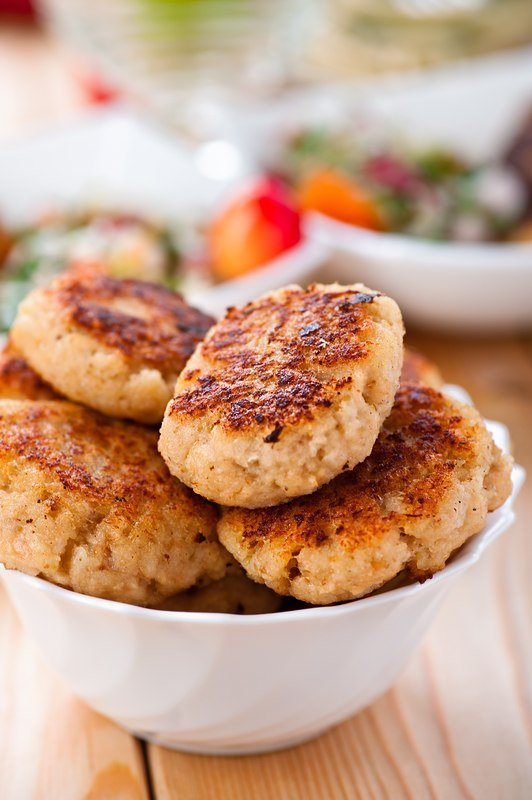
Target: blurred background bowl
452 286
446 286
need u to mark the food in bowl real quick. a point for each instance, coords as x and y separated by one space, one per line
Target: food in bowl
235 593
427 192
89 504
284 394
427 486
133 338
232 683
130 246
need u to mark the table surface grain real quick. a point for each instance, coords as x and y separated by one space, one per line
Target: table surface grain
458 723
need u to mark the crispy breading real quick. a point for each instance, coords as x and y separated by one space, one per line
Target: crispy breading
114 345
88 503
431 478
284 393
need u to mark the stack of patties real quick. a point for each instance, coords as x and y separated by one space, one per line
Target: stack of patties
306 454
334 473
86 501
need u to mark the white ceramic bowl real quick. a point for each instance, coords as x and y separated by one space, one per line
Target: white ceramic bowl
219 683
448 286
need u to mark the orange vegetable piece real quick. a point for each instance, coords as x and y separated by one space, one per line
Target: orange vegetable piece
333 194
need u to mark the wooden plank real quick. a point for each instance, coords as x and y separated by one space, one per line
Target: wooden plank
52 747
458 723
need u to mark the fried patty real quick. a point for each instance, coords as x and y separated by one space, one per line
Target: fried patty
431 478
284 393
417 367
87 502
114 345
18 381
233 594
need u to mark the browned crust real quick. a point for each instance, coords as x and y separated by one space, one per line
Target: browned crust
165 335
112 462
421 445
271 362
18 381
417 367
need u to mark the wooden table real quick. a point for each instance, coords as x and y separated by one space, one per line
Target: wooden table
458 724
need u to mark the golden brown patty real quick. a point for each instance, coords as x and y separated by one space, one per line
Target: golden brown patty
18 381
234 594
284 394
427 486
87 502
417 367
115 345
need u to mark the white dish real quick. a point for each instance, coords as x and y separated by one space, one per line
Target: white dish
113 159
474 107
448 286
225 684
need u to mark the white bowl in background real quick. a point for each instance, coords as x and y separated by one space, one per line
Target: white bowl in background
474 107
228 684
113 159
447 286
